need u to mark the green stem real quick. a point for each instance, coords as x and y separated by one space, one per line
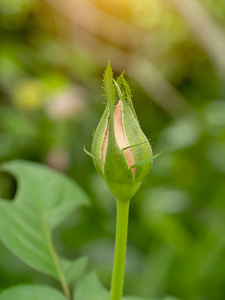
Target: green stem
120 250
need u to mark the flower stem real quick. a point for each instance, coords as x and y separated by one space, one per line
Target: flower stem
120 250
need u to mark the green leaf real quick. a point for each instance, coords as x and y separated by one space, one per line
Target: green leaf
135 298
108 86
119 79
90 288
44 198
109 89
73 269
138 298
145 161
129 96
92 156
31 292
119 92
128 90
132 146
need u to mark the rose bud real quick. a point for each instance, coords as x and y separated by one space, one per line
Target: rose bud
121 152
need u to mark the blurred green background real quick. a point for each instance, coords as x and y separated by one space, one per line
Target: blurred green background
52 57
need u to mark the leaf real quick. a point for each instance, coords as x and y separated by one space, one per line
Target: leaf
129 96
90 288
128 90
138 298
31 292
119 79
44 198
109 89
108 86
132 146
73 269
133 298
119 92
145 161
92 156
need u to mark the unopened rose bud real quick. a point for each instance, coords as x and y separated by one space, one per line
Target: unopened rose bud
121 152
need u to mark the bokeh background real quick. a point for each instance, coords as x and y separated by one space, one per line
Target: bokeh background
52 57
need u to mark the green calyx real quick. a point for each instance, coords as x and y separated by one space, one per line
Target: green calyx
121 152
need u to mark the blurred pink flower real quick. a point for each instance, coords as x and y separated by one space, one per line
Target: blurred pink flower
58 158
67 104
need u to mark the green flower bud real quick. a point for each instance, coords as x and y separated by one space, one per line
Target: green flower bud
121 152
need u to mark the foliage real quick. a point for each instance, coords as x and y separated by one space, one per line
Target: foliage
32 292
43 200
91 288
